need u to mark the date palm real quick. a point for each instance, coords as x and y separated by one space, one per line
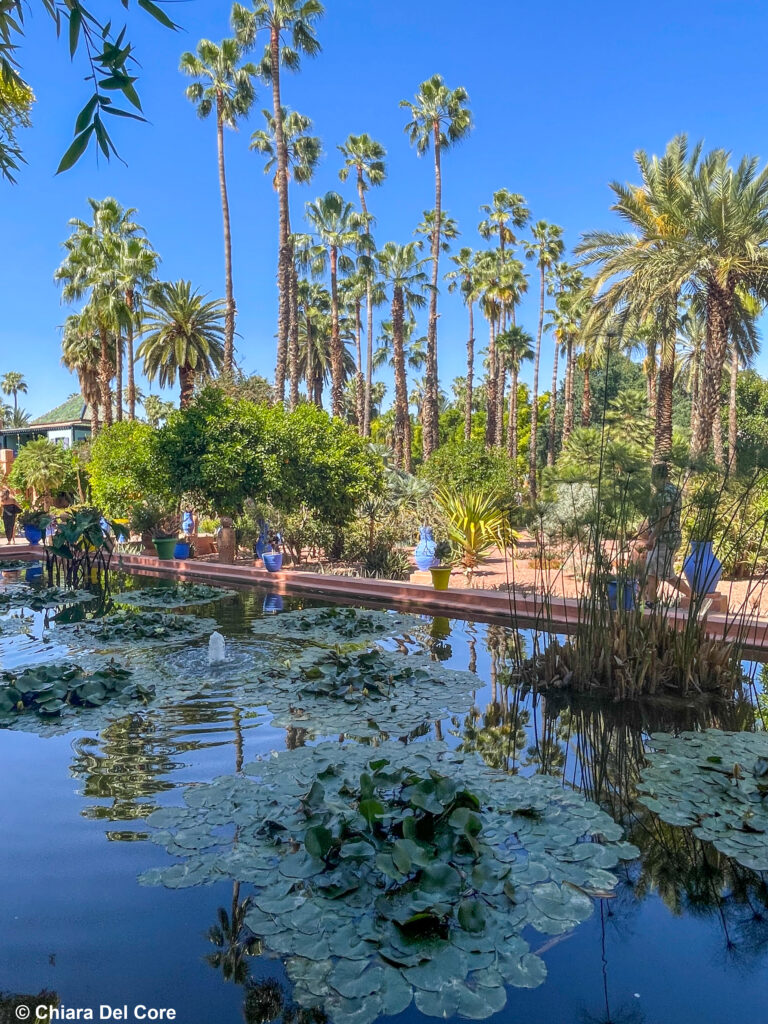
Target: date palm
545 247
440 117
225 88
468 281
290 26
366 158
403 269
303 152
182 335
13 383
336 226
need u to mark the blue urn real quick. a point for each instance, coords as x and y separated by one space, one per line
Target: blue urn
424 552
702 567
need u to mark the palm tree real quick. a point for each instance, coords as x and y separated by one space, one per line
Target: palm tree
303 152
506 208
290 25
91 267
337 226
401 266
646 268
440 118
515 346
366 157
224 87
182 333
13 383
315 340
352 291
728 254
567 284
136 271
467 279
80 352
545 247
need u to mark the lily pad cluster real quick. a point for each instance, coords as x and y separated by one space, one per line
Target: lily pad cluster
41 600
147 628
365 692
715 783
16 564
47 690
404 873
338 626
180 595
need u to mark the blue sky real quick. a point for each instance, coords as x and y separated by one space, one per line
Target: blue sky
562 93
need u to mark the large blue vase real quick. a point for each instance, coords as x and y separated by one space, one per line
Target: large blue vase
424 552
702 567
624 591
262 542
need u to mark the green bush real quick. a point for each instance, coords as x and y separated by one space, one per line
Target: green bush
124 470
468 465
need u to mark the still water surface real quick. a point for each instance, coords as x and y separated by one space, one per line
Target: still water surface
684 940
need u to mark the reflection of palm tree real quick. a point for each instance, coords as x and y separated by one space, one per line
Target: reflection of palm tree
233 940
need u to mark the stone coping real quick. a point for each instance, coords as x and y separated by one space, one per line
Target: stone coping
498 607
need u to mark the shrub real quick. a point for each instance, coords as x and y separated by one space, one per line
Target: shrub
124 470
468 465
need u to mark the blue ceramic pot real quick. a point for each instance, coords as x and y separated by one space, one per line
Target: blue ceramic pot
424 552
702 567
181 551
34 572
33 534
273 561
273 603
624 591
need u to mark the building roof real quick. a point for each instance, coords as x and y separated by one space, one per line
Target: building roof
70 413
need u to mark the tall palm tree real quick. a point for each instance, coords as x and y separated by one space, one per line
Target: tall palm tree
545 247
136 271
467 278
182 334
13 383
567 285
336 226
440 118
303 152
366 158
516 347
728 253
646 268
80 353
402 267
352 291
224 87
290 26
91 268
507 208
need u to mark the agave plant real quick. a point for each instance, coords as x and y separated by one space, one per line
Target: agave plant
477 522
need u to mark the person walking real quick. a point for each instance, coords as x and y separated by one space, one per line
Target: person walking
10 512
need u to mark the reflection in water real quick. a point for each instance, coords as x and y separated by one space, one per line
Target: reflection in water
596 748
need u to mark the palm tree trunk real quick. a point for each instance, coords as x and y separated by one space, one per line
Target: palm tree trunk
284 249
470 373
586 402
532 455
359 378
430 439
664 385
553 408
337 360
695 388
402 416
129 357
293 340
501 383
512 417
105 376
717 442
719 311
568 407
733 425
119 377
230 309
186 386
366 420
490 386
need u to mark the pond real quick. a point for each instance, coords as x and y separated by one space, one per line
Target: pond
129 876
